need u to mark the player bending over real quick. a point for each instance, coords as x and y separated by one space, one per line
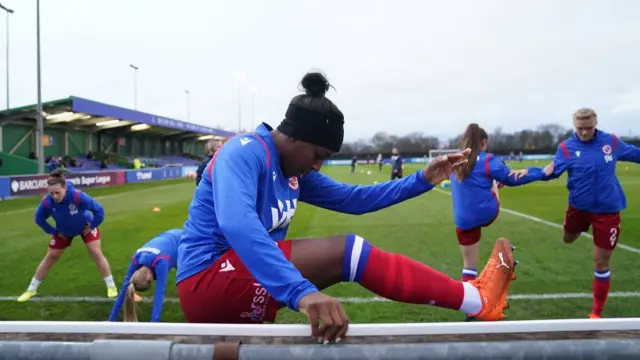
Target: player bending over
152 261
474 190
75 214
234 237
595 195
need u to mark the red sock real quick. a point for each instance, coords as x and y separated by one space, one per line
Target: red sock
399 278
601 286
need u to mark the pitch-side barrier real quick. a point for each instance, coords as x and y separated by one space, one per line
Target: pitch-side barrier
539 339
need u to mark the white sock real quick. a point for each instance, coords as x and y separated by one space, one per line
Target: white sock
109 281
33 286
472 302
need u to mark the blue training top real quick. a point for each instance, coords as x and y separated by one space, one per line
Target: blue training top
244 202
159 255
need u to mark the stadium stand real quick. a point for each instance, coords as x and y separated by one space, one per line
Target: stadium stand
85 135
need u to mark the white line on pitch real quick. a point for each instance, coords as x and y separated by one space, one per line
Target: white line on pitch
357 300
545 222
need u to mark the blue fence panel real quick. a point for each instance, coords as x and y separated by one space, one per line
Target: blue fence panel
5 187
141 175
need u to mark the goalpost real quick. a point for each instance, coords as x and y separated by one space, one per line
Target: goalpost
437 152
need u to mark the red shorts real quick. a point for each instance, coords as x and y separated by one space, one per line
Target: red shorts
61 243
472 236
606 227
226 292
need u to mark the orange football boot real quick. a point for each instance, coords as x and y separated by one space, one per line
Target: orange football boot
494 280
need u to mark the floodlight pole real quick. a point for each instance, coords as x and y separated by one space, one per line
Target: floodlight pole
188 105
39 110
254 89
7 11
135 86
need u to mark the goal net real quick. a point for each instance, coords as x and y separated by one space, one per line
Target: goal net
434 153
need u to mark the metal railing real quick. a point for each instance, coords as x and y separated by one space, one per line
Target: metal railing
544 339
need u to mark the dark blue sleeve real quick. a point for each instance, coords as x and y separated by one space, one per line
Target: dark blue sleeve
120 299
161 269
500 171
235 189
628 152
88 203
322 191
203 164
561 162
42 214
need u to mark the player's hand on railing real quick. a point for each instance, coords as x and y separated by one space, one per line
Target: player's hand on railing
548 170
517 174
442 166
329 322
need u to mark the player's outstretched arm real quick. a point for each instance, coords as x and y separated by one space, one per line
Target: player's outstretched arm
561 162
161 270
628 152
42 214
120 299
88 203
234 178
500 172
322 191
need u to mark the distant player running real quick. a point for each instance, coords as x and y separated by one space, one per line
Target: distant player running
474 190
595 195
234 237
396 164
152 261
75 214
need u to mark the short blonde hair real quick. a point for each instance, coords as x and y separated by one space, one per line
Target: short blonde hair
584 114
213 145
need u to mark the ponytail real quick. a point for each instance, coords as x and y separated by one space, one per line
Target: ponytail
472 139
138 282
130 305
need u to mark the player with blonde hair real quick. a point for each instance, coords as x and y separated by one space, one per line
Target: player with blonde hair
596 198
152 261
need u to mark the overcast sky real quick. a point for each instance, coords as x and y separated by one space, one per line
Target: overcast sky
398 66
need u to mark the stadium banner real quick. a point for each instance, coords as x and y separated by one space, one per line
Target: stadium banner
423 160
141 175
186 170
37 184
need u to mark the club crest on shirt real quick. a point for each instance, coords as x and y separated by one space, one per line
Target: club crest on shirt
606 149
72 209
293 183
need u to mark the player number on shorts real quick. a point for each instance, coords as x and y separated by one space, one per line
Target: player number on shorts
614 236
94 232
